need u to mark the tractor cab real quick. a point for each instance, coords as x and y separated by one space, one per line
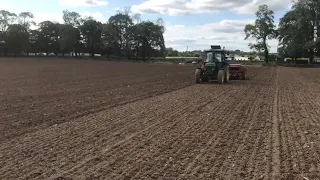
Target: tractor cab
213 66
215 55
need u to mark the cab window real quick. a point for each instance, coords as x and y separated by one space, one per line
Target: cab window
218 57
209 57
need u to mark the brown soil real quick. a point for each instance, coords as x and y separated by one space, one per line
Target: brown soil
67 119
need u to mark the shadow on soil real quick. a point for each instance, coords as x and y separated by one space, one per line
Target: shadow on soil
231 82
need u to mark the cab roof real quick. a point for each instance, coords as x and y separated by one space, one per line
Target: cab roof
214 50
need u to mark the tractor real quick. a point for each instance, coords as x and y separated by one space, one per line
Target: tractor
213 66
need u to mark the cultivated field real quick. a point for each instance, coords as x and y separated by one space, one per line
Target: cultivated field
67 119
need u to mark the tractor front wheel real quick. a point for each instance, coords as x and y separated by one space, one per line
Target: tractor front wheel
198 76
221 76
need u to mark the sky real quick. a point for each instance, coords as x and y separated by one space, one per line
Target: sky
190 24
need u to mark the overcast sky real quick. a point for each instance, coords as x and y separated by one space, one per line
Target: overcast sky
193 23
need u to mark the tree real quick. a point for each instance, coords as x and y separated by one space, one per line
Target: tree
160 22
49 37
25 19
136 18
297 27
91 31
160 27
110 38
34 41
17 39
293 35
71 18
67 38
262 30
82 34
171 52
69 32
148 37
6 19
122 23
124 11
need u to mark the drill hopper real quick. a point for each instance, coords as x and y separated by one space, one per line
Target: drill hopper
237 71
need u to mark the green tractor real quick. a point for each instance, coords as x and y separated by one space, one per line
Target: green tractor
213 66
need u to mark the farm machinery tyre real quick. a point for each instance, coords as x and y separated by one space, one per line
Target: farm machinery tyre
221 77
226 74
198 76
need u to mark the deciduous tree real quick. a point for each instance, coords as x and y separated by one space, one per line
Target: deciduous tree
297 29
91 31
262 30
122 22
17 39
49 37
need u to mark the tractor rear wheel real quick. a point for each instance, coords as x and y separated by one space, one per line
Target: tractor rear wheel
198 76
221 76
226 73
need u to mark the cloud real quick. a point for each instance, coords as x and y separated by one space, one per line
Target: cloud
228 33
180 7
182 41
96 15
275 5
86 3
57 17
179 26
228 26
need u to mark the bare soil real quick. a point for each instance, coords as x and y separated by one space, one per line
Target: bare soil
68 119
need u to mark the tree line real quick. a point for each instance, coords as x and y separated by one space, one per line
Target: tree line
122 35
298 31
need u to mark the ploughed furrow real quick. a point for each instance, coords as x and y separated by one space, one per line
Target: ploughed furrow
113 143
250 158
275 139
131 159
111 156
65 145
158 127
311 75
240 138
175 143
300 154
40 100
200 165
